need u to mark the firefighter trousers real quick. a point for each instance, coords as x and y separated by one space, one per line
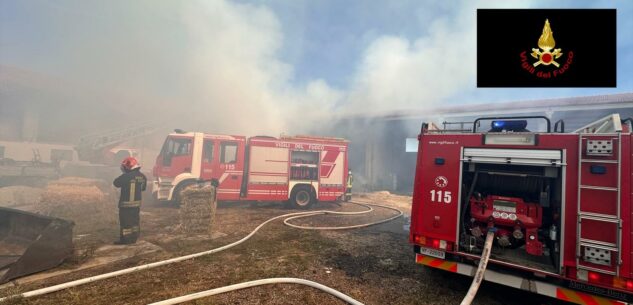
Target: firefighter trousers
129 220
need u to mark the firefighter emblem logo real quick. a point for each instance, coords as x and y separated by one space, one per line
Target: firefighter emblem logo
546 54
546 42
441 181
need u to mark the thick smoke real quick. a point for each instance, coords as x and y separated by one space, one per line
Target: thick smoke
199 65
216 66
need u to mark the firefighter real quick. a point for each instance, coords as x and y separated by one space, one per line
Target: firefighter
132 183
348 189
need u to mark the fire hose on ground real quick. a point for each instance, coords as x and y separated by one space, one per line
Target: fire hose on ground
288 217
279 280
468 299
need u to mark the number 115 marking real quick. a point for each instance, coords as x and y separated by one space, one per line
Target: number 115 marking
436 196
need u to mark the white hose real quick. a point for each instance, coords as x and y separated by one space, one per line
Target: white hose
481 270
287 220
95 278
279 280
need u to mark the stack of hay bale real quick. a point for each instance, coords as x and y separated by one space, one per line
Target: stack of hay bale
197 209
72 190
22 197
82 201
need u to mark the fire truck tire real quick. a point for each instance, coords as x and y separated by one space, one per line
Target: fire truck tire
301 197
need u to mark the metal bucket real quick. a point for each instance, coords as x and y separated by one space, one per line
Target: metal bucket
31 243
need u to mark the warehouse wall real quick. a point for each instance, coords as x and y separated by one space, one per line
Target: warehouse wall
377 148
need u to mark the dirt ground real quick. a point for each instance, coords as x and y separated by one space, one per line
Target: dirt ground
374 265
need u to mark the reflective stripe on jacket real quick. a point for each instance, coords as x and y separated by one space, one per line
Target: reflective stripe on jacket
132 185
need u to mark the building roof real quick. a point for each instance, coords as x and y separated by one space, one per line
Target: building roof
594 102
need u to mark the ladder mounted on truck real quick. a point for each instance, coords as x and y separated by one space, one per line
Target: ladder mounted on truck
91 146
599 227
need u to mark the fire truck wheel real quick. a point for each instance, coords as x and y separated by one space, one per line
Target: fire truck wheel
301 198
181 187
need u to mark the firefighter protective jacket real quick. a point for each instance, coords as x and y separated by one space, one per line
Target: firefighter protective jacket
132 184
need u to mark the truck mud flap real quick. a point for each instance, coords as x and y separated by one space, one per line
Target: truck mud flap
31 243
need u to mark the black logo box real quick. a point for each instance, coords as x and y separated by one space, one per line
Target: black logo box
503 34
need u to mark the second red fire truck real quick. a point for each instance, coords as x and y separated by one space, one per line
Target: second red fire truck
298 169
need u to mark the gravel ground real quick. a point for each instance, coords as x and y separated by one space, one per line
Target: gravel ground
374 265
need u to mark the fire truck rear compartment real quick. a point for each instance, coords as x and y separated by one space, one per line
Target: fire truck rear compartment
522 203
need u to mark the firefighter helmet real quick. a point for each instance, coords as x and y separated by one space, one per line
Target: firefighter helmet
129 164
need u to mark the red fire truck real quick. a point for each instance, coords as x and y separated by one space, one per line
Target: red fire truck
559 204
299 169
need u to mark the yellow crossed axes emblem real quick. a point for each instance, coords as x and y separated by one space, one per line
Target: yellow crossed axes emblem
546 42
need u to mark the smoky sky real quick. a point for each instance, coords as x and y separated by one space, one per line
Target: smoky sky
242 67
207 65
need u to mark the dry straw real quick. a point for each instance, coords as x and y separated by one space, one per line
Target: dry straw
197 209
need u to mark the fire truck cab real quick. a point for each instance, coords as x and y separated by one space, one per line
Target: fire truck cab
300 169
558 203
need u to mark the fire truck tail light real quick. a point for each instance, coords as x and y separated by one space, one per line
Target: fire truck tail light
581 275
420 240
432 242
593 277
619 282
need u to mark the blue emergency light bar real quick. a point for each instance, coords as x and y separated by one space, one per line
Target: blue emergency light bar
509 125
512 124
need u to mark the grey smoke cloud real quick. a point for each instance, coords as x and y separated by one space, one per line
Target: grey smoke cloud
208 65
215 65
